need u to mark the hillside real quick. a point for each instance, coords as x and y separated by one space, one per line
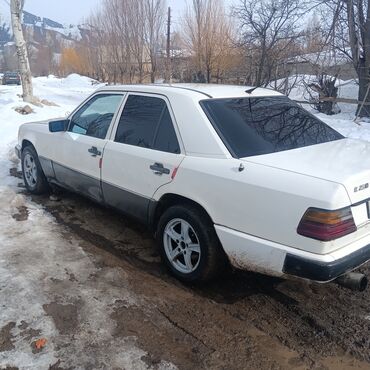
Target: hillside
46 39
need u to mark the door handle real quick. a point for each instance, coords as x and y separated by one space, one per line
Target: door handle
94 151
159 169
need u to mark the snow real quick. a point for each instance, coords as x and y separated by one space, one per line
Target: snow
66 92
326 58
70 31
37 252
342 122
297 87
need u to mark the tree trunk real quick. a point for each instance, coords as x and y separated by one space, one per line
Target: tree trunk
16 8
363 66
363 93
153 70
361 63
208 74
262 60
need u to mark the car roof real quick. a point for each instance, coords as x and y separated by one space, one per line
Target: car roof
201 91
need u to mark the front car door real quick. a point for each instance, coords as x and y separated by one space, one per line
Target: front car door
80 149
144 152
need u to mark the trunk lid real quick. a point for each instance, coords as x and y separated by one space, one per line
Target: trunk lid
346 162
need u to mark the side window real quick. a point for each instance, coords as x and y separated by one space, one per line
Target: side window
166 140
93 118
146 122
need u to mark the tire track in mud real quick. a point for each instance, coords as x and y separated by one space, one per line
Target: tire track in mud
243 320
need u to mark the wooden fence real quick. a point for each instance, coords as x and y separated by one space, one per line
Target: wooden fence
336 100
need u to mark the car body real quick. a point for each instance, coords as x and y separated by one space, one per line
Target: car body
11 78
288 197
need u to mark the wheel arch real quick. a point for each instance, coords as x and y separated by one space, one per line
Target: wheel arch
26 143
157 208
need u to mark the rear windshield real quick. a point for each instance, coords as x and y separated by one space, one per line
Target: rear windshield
255 126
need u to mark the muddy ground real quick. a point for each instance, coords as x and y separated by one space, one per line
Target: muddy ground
241 321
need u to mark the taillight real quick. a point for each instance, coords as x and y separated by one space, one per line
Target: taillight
326 225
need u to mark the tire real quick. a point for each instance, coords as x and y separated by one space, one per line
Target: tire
33 175
188 244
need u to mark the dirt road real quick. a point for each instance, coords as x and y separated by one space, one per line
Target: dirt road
241 321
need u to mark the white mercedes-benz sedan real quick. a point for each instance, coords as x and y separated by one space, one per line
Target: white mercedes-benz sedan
219 173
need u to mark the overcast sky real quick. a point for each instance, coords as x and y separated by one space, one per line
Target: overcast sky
73 11
63 11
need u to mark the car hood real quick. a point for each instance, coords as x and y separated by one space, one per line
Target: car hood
345 161
45 122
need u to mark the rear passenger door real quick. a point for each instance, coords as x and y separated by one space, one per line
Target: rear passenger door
142 156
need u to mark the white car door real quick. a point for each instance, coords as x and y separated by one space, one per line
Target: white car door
77 157
143 154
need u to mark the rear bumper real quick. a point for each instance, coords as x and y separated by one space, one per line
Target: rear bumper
18 151
325 271
255 254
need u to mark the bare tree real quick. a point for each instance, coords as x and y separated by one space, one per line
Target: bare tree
347 24
124 40
16 9
127 38
155 19
136 27
194 30
314 36
270 30
358 21
208 33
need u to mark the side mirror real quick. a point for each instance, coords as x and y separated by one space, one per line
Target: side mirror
58 126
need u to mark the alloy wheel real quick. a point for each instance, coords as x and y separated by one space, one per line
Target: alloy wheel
182 246
30 170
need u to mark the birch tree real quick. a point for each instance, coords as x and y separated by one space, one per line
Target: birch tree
16 9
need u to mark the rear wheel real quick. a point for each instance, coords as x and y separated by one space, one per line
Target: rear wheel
189 245
33 175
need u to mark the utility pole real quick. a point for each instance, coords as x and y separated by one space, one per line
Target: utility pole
168 51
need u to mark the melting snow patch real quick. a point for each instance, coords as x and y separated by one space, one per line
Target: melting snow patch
49 286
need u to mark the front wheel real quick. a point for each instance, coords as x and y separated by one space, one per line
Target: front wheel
33 175
189 245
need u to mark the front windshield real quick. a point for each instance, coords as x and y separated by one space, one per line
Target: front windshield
255 126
